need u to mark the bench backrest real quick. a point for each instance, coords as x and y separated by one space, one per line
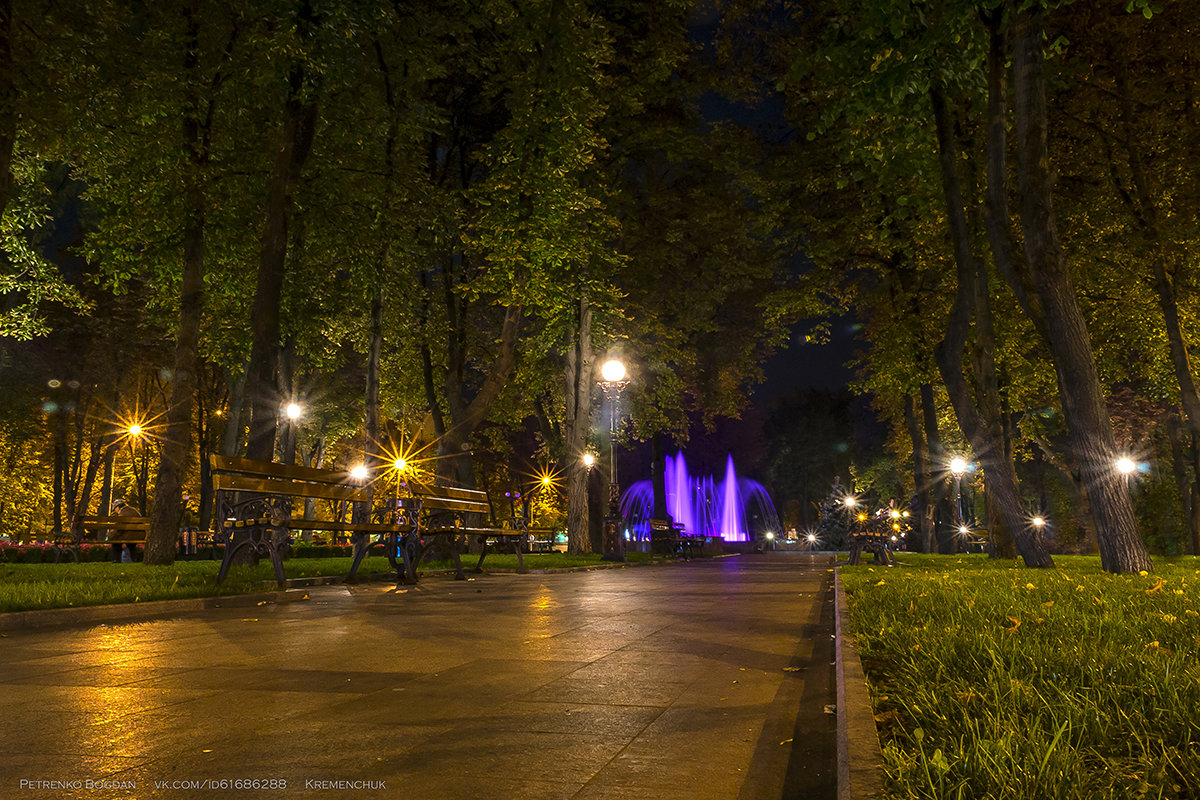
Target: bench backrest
116 523
447 498
233 474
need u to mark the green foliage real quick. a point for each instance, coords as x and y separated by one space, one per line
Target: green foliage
29 282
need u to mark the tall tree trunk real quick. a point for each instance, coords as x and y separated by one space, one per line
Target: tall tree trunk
456 462
299 128
375 346
1194 504
8 103
106 484
577 422
941 516
1089 429
921 477
658 475
1146 213
978 412
236 392
176 439
60 468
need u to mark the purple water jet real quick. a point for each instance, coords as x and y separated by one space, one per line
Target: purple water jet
701 505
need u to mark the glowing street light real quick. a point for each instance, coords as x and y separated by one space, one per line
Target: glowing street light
1126 465
136 430
1039 522
294 411
613 371
589 460
850 502
359 472
400 465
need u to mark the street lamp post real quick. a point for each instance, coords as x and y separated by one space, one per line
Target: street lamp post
141 472
613 543
958 467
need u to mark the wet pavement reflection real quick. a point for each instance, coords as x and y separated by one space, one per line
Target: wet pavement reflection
697 680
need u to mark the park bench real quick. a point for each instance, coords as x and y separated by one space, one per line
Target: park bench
255 499
254 507
103 530
667 537
976 540
872 535
430 512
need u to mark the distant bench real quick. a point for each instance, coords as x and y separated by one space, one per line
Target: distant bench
872 536
255 499
104 530
667 537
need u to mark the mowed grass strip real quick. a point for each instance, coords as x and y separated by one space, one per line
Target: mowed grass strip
991 680
27 587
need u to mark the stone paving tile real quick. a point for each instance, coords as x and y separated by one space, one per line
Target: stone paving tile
554 757
636 683
614 692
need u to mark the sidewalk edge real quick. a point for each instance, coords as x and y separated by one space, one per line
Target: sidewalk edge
860 759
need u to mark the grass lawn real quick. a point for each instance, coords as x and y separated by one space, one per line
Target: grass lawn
25 587
991 680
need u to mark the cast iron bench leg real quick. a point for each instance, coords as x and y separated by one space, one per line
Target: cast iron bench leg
362 545
409 573
521 570
277 547
236 540
483 551
459 575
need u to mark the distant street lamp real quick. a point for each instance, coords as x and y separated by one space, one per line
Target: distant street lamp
293 412
771 539
589 460
141 472
613 544
1126 465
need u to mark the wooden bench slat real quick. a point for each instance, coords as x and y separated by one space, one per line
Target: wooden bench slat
423 490
271 469
247 483
132 523
447 504
350 527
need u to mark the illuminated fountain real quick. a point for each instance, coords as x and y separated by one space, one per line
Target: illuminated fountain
702 506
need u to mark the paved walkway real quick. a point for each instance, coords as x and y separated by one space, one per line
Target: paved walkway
701 680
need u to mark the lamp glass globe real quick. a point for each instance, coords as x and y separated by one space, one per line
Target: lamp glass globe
613 371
